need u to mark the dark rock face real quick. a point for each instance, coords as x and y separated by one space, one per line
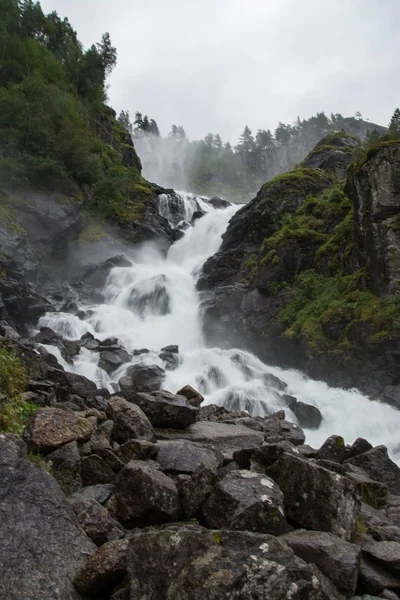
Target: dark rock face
377 464
333 154
145 495
146 378
36 521
218 202
164 409
216 564
315 497
247 501
66 467
307 415
337 559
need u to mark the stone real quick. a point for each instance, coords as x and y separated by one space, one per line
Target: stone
95 470
385 553
377 464
129 421
193 397
99 492
316 498
111 361
182 562
144 495
50 428
360 445
146 378
247 501
163 409
137 450
71 383
104 569
276 428
333 449
337 559
373 578
307 415
38 531
66 467
171 348
96 521
194 490
183 456
224 437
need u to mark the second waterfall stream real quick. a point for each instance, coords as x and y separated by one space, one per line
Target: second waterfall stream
154 303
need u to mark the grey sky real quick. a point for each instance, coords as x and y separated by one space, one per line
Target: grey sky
217 65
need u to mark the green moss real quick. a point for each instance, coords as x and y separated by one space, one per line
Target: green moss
297 177
8 217
38 460
360 530
373 494
217 537
249 269
92 233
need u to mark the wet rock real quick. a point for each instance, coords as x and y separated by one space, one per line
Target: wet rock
168 562
71 383
274 382
218 202
99 492
95 470
182 456
96 275
307 415
104 569
36 521
146 378
316 498
171 360
333 449
192 396
145 495
377 464
151 299
111 361
137 450
172 348
194 489
50 428
66 467
247 501
276 428
129 421
67 348
359 447
163 409
223 437
96 521
337 559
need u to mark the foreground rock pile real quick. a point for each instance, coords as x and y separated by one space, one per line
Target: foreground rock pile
150 495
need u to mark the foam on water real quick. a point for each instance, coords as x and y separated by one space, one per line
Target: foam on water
154 303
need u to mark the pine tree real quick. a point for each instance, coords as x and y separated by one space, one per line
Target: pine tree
394 125
246 141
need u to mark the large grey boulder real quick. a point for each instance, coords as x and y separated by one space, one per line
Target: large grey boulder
225 437
189 562
337 559
247 501
316 498
104 569
50 428
42 547
164 409
144 495
377 464
183 456
96 521
129 421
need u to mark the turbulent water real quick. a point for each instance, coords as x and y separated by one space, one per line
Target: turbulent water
154 303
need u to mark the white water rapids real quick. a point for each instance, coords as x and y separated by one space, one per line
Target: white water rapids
154 303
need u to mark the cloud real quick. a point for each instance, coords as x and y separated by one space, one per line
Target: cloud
217 65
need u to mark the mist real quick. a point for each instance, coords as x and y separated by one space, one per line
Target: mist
165 161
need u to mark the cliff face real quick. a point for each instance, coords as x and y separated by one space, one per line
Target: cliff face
308 272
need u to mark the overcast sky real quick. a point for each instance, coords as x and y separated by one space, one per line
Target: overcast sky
217 65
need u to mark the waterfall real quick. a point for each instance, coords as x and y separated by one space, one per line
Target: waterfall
153 303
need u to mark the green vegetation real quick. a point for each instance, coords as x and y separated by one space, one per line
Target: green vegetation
57 133
38 460
13 382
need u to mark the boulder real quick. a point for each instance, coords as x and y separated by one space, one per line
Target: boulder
163 409
333 449
146 378
316 498
38 531
377 464
385 553
95 470
110 361
96 275
337 559
171 348
194 490
71 383
67 348
66 467
129 421
183 456
182 562
137 450
96 521
247 501
50 428
224 437
218 202
307 415
192 396
104 569
99 492
144 495
373 578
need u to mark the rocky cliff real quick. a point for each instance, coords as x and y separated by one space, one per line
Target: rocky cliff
307 273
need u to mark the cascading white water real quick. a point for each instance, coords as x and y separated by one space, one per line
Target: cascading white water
154 303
